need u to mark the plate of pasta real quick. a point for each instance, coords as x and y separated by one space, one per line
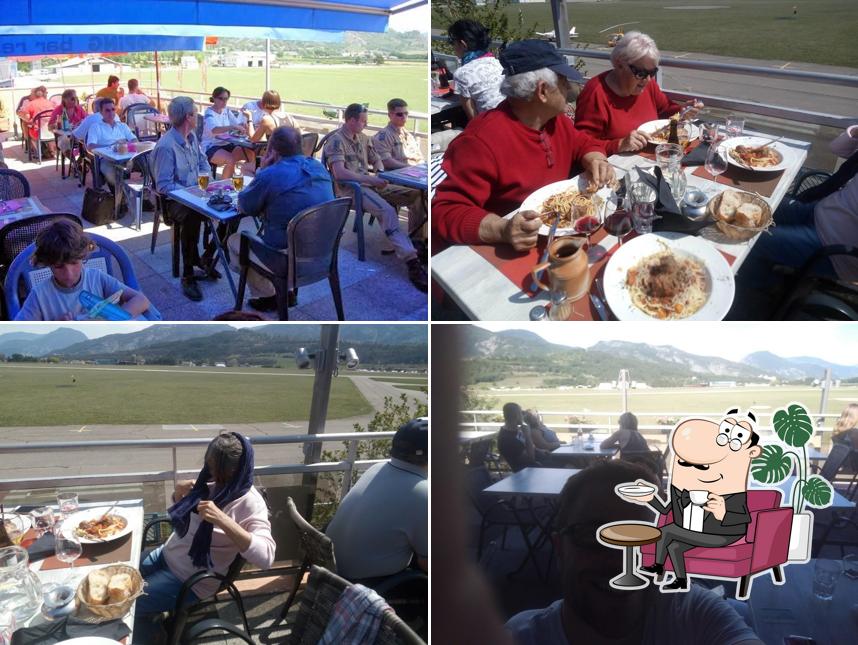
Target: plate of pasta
668 276
92 526
575 199
751 153
658 131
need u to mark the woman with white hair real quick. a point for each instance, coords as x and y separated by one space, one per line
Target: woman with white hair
614 103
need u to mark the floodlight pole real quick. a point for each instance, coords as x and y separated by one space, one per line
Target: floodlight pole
823 400
561 23
624 388
267 64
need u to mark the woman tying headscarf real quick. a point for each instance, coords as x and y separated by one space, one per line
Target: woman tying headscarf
219 516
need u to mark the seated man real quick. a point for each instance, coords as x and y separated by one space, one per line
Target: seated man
349 153
106 132
112 91
63 247
591 611
802 228
506 153
177 162
220 516
89 120
397 148
286 184
515 440
381 526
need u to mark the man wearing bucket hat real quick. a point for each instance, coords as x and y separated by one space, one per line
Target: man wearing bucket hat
381 526
508 152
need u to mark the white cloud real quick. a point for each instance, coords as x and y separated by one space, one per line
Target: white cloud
414 19
833 342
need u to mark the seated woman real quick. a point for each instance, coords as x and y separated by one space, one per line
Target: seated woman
626 438
543 437
219 119
515 442
66 116
614 103
62 247
216 518
846 427
267 120
479 77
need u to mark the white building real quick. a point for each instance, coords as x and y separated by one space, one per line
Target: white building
190 62
243 59
89 65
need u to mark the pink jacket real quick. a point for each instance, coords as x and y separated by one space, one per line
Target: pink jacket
251 513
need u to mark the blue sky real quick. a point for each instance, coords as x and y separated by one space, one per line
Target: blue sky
834 342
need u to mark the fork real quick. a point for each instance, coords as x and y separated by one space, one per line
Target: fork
768 143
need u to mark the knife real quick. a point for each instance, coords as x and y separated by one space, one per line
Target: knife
600 306
533 286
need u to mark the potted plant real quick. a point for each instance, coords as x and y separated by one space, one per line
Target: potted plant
794 428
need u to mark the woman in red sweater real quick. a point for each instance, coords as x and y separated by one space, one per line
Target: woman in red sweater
613 104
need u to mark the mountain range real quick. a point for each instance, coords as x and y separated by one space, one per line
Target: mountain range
375 344
491 356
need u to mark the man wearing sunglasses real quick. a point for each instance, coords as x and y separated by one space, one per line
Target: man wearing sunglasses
615 103
590 610
507 153
106 132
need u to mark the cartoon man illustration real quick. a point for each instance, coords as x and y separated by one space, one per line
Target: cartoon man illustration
708 492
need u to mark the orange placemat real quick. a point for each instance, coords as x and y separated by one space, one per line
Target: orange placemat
102 553
754 182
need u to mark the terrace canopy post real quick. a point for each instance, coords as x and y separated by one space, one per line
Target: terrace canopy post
326 363
823 399
157 81
561 23
267 65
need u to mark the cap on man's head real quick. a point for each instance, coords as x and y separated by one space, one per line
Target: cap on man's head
529 55
411 442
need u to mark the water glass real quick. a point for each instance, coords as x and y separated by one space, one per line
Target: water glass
735 125
43 520
825 574
668 156
678 182
67 546
643 211
68 503
708 132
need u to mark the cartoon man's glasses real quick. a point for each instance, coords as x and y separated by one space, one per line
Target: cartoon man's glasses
732 434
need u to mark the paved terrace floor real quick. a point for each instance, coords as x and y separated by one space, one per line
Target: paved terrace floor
377 289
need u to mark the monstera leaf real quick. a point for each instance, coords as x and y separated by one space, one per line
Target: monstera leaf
772 466
793 425
817 492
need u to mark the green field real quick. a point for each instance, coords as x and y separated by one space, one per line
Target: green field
338 85
823 31
672 400
46 395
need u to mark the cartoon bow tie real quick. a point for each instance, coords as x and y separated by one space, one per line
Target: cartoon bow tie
684 498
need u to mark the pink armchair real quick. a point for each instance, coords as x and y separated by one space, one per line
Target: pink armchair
764 547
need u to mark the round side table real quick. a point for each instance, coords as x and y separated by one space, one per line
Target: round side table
629 535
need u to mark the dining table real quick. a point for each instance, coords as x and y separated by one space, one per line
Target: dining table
13 210
584 448
197 200
118 162
493 282
124 550
446 110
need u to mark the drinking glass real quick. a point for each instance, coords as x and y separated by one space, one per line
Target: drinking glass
619 223
238 179
43 520
7 626
66 545
825 574
644 207
68 503
734 125
678 182
716 159
203 180
708 132
668 155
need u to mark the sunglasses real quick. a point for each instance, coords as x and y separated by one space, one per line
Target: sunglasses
401 113
109 110
642 74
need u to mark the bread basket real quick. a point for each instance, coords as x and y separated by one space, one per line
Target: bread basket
100 613
733 231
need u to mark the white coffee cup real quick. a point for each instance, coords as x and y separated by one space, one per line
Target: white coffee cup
698 497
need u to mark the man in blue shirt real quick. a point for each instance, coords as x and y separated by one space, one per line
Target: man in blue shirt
287 183
178 161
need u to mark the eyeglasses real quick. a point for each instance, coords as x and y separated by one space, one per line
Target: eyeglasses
401 113
642 74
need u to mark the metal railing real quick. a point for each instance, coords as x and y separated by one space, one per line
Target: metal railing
347 466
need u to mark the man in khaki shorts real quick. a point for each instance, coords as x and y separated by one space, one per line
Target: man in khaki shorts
397 148
349 155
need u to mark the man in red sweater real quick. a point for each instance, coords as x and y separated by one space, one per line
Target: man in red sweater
507 153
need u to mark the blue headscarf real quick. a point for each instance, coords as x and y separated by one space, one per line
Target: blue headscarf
180 512
475 54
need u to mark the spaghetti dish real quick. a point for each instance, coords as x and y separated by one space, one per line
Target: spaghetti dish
755 157
667 286
572 205
101 527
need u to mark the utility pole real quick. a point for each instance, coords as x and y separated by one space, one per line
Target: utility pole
561 23
623 384
823 400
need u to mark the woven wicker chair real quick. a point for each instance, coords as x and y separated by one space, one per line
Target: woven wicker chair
13 185
317 603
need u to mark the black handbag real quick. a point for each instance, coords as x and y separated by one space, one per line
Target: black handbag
97 206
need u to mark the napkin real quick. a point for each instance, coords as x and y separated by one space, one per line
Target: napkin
696 157
672 218
68 628
220 203
11 206
41 548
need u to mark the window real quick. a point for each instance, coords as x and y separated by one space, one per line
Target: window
96 67
250 63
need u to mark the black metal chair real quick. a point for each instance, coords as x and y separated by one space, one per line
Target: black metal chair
318 549
652 460
13 185
196 632
313 242
834 462
317 604
816 297
182 613
838 522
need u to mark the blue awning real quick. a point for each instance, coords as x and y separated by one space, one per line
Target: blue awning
339 15
55 44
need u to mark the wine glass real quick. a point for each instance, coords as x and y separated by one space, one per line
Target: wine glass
66 545
588 225
716 158
619 223
43 520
